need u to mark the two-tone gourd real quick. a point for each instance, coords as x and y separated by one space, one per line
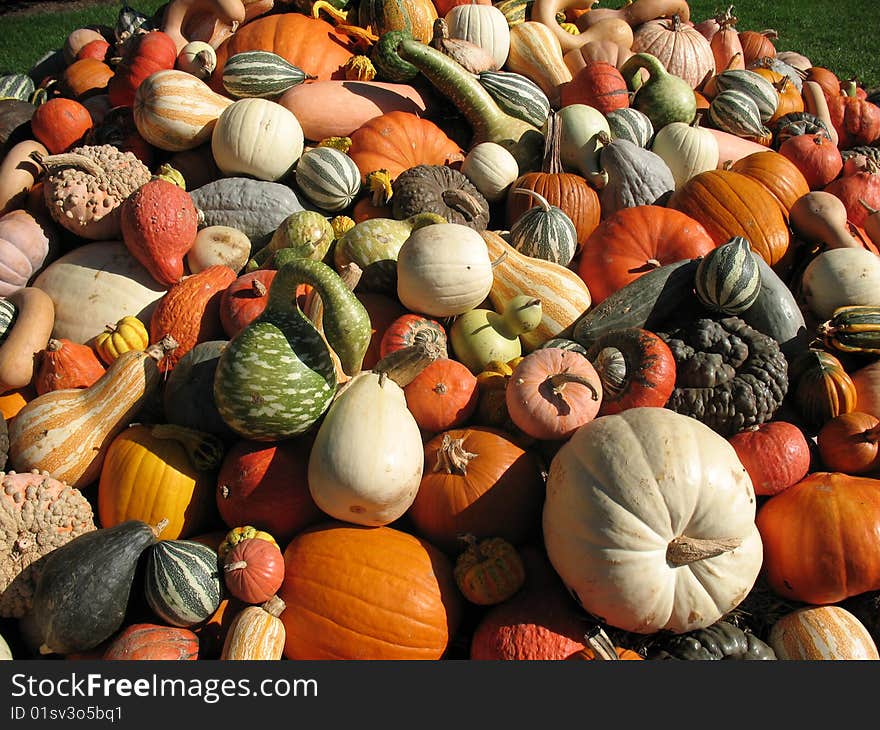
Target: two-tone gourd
277 377
544 231
728 279
260 74
328 178
853 329
182 582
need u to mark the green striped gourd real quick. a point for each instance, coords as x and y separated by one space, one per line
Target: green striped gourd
544 231
307 232
8 313
563 294
756 86
261 74
328 178
16 86
728 279
182 583
854 328
276 377
517 95
630 124
516 11
737 113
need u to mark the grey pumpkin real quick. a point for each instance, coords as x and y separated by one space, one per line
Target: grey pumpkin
635 176
720 641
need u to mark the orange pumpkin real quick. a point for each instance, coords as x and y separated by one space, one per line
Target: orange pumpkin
731 204
60 123
827 79
849 442
244 300
356 592
150 642
775 454
776 173
443 396
145 55
856 120
477 481
816 156
757 45
85 77
598 84
253 570
790 100
65 364
397 141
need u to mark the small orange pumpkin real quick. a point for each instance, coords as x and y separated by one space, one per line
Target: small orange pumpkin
443 396
253 570
489 571
65 364
850 443
60 123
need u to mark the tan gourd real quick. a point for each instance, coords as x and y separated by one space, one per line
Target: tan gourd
609 28
67 432
820 217
871 226
607 51
17 174
815 103
256 633
29 335
637 12
536 53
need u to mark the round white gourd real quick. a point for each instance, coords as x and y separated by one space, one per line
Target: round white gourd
636 505
841 277
686 149
256 137
197 58
218 245
491 168
443 270
483 25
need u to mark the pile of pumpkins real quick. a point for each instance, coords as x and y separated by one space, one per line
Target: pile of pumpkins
438 330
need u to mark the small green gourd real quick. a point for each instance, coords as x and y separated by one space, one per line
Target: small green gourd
306 232
481 335
276 377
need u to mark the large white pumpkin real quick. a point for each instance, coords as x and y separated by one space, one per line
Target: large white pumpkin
256 137
631 498
484 26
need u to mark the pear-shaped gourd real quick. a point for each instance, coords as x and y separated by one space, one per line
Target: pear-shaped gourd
580 138
276 377
664 97
480 336
687 149
306 232
365 464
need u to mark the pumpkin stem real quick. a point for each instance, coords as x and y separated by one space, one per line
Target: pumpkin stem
159 349
258 288
235 565
159 526
867 207
558 380
452 458
274 606
54 345
600 642
870 435
403 365
67 159
463 203
204 450
684 550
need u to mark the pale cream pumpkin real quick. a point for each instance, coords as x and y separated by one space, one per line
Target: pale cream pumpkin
491 168
821 633
482 25
841 277
686 149
649 519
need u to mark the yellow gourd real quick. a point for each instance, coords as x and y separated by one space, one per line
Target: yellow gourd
129 333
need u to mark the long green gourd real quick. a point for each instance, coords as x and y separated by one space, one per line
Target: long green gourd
276 377
489 122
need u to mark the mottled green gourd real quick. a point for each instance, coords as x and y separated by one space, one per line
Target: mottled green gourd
307 233
276 377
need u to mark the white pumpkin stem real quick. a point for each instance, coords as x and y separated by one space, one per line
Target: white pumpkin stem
274 606
452 458
601 644
684 550
159 526
236 565
403 365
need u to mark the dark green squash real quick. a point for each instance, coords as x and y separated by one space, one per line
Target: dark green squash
720 641
84 586
182 584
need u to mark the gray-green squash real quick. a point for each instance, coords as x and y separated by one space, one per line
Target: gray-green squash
720 641
544 231
182 582
728 279
276 377
635 176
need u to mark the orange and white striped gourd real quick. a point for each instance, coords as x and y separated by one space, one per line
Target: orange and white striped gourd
256 633
67 432
821 633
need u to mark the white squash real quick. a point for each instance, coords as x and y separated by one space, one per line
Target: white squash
649 519
483 25
840 277
96 284
821 633
197 58
686 149
443 270
5 652
257 137
219 245
365 465
491 168
580 139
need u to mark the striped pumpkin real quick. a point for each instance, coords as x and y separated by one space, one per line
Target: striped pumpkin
261 74
182 583
8 313
564 295
256 633
16 86
728 279
821 633
754 85
517 95
328 178
515 11
854 328
544 231
630 124
736 112
176 111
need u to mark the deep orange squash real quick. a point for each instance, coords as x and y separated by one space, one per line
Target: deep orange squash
65 364
357 592
776 173
253 570
85 77
443 396
244 299
856 120
60 123
146 54
819 538
775 454
816 156
757 45
151 642
599 85
850 443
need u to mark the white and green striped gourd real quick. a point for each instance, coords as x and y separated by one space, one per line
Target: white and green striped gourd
736 112
544 231
728 279
16 86
630 124
517 95
328 178
261 74
8 313
276 377
756 86
182 582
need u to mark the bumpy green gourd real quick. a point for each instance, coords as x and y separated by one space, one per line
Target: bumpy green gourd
276 377
307 232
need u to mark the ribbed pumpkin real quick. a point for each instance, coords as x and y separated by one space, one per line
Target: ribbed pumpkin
328 177
775 454
149 478
680 47
65 364
821 633
598 84
728 279
357 592
253 570
153 642
476 481
489 571
816 157
85 77
731 204
127 334
144 55
822 387
757 45
848 443
636 240
442 396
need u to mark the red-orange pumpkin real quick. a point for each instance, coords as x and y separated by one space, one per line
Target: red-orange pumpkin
856 120
855 188
60 123
827 79
775 454
849 442
97 49
477 481
599 85
443 396
757 45
85 77
253 570
244 300
383 311
819 538
635 240
153 642
147 53
411 329
65 364
357 592
816 156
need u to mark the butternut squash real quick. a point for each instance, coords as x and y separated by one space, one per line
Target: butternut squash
29 335
815 103
316 105
820 217
67 432
18 173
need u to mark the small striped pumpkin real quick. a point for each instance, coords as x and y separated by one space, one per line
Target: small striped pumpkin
8 313
256 633
630 124
544 231
182 584
736 112
754 85
728 279
16 86
261 74
328 178
517 95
